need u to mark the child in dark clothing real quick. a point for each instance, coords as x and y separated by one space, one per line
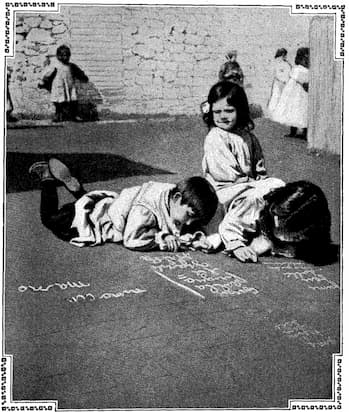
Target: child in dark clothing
231 70
144 217
60 79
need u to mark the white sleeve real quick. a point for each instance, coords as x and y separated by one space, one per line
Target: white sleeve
142 231
239 225
220 162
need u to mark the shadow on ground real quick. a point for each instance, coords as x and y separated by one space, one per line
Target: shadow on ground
88 167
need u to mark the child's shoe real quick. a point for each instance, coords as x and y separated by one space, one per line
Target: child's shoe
61 172
41 170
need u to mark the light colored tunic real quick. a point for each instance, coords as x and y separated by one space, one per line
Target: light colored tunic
240 224
292 108
63 85
138 216
230 159
282 70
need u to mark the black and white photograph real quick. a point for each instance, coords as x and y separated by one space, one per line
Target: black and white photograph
172 205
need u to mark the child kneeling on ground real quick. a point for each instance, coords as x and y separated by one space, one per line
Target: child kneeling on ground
290 220
145 217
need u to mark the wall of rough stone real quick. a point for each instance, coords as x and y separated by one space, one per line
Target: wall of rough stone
152 59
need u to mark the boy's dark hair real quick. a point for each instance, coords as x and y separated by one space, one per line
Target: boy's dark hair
63 48
236 97
199 194
298 214
302 57
280 52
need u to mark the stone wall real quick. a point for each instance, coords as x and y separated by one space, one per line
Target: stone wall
152 59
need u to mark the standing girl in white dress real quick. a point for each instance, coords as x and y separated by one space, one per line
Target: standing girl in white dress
60 79
292 109
282 70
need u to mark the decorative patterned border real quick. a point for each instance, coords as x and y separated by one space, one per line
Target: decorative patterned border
338 11
7 404
337 389
23 6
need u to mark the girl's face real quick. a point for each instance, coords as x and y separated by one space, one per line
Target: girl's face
224 115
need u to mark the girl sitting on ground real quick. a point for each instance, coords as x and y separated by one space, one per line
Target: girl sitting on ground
60 79
232 153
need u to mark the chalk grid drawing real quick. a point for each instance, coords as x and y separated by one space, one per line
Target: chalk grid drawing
183 270
303 272
294 330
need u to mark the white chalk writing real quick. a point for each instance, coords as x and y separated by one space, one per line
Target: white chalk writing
62 286
199 275
307 335
89 297
286 265
305 273
310 276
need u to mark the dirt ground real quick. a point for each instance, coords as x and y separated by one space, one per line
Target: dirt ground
105 327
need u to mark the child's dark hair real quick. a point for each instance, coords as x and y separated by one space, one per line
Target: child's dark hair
280 52
236 97
199 194
230 71
302 57
62 49
298 214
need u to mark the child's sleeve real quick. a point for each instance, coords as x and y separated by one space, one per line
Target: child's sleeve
239 225
141 231
220 162
77 73
48 75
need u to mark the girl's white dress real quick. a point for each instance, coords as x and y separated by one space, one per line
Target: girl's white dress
63 85
241 221
292 109
230 159
282 70
234 164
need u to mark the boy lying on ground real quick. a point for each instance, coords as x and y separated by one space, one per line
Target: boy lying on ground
146 217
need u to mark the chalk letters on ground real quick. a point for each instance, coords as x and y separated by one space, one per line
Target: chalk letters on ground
183 270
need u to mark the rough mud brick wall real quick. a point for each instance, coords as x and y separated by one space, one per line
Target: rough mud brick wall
153 59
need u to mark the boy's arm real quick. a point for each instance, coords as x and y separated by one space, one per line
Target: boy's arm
47 77
141 231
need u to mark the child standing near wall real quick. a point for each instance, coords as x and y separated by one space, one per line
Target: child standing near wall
231 70
60 79
292 109
232 153
146 217
281 70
